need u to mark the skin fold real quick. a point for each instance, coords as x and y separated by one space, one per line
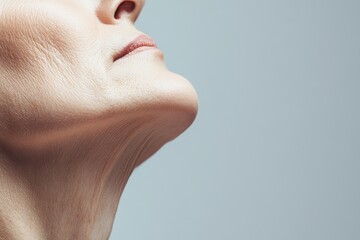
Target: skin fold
74 123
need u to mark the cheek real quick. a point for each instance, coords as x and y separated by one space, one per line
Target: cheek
49 52
39 33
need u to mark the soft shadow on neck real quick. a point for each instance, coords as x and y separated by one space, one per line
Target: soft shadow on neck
66 184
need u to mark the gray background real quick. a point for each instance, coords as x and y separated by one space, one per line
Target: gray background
275 150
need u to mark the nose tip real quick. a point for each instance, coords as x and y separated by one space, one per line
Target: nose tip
114 11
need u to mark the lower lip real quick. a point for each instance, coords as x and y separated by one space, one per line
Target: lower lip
143 49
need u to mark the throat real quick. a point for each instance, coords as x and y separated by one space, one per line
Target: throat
70 188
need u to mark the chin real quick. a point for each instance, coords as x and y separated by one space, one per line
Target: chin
167 109
173 104
154 92
161 104
178 103
170 113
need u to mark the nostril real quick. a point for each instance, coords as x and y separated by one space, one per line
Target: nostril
124 7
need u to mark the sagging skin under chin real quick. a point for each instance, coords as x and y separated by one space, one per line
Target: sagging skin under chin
74 178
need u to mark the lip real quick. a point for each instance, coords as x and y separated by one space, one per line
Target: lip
139 44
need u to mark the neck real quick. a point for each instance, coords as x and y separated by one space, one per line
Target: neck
67 184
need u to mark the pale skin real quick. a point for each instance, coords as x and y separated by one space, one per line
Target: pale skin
74 123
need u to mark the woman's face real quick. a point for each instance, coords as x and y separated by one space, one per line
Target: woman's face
59 64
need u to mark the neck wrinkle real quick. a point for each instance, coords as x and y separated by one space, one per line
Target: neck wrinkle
71 189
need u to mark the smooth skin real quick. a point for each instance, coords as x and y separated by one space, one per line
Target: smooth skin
74 124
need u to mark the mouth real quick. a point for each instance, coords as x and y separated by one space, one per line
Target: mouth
139 44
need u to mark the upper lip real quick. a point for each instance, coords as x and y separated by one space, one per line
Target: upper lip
142 40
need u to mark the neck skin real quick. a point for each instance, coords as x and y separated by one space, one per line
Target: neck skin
67 184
